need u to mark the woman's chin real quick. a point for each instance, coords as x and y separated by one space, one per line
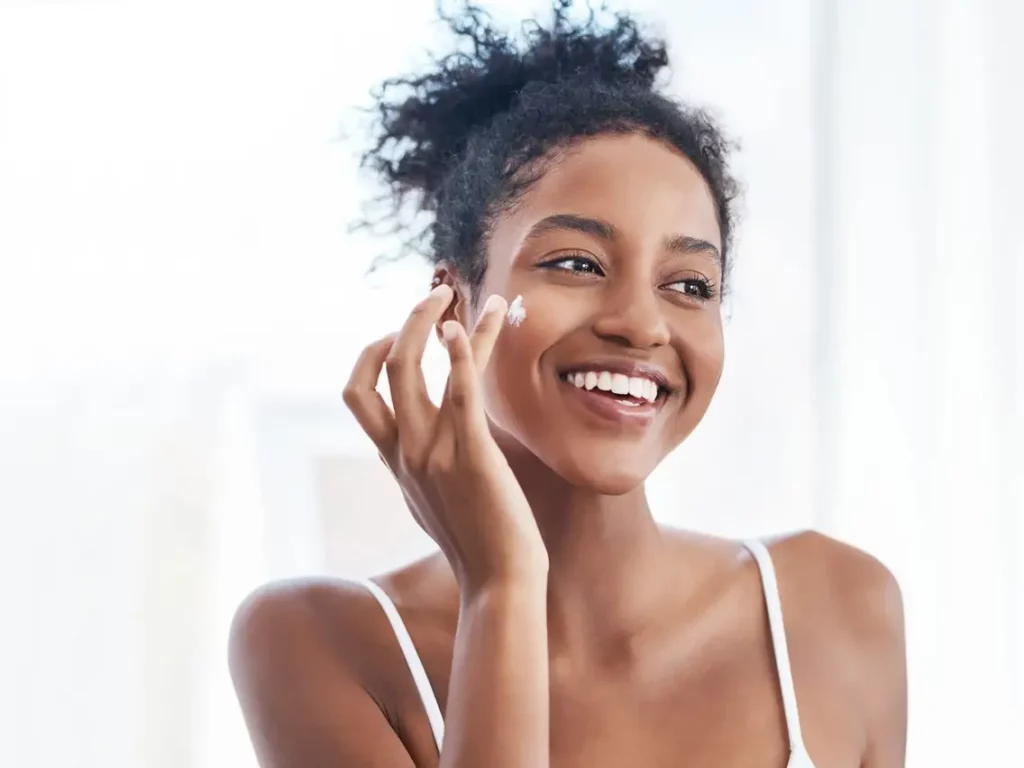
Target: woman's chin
609 475
609 468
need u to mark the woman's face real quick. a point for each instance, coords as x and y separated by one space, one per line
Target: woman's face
615 251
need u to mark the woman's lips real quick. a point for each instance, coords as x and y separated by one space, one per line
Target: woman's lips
612 408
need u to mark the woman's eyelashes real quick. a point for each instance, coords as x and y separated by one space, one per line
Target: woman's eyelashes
696 287
577 263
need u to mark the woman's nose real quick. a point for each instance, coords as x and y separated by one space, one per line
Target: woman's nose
633 316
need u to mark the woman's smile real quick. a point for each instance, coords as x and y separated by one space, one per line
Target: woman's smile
618 393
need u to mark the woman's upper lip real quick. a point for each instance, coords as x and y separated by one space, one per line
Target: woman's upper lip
627 368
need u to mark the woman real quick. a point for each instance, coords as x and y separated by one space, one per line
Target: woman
559 625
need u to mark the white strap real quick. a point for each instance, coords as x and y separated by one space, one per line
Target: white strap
412 659
774 605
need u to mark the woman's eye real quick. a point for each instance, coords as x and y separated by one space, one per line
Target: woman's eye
577 264
695 287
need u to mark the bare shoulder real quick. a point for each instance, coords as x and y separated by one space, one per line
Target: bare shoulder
302 662
308 615
853 588
336 623
845 610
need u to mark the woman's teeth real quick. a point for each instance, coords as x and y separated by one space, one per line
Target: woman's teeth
616 383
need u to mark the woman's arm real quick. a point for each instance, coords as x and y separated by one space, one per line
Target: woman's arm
498 702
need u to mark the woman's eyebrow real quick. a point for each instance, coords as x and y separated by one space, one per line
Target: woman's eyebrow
603 230
574 223
685 244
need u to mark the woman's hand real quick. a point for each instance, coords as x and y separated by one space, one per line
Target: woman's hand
454 476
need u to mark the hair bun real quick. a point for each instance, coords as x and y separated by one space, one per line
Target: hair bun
426 121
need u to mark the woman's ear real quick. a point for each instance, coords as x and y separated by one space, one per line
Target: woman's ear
458 309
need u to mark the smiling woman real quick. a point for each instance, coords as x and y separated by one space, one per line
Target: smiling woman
559 625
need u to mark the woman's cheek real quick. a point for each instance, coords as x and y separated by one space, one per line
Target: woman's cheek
513 379
703 353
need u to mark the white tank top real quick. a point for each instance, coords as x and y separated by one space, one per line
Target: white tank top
798 757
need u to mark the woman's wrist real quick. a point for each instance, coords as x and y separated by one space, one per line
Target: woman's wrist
518 590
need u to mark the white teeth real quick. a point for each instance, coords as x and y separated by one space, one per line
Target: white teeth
617 383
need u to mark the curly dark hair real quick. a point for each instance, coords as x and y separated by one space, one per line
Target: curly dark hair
463 142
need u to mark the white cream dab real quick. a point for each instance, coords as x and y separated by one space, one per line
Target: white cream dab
516 311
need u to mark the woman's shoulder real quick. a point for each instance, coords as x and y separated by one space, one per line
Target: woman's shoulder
317 620
835 597
306 608
819 577
335 619
316 672
844 620
837 580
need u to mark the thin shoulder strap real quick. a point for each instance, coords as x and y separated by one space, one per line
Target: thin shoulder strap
778 630
412 659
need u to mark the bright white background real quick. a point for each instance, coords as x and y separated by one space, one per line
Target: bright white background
180 302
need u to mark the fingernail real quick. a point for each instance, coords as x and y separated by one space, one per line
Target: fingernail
448 331
438 290
493 303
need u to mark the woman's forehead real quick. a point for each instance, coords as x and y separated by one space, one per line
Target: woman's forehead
643 187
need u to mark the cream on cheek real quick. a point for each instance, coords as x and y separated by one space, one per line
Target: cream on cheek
516 311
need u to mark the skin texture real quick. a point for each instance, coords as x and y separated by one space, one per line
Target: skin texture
656 640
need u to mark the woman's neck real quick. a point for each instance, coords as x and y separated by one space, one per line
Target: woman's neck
606 553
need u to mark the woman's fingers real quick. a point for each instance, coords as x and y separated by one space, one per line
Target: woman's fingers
363 399
463 398
469 355
413 409
411 423
488 326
